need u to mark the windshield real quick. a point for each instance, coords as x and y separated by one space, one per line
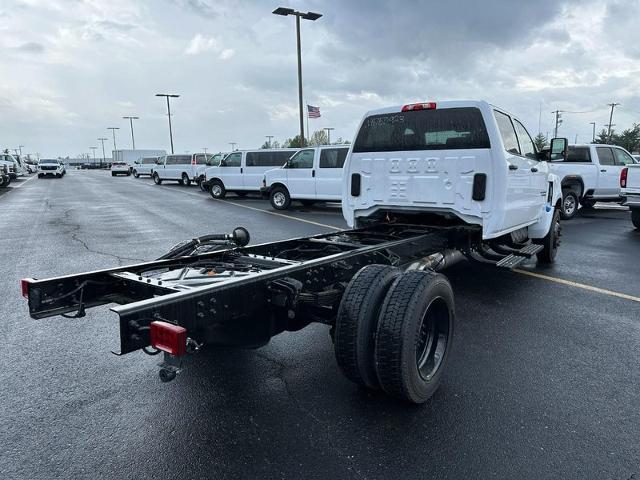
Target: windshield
445 129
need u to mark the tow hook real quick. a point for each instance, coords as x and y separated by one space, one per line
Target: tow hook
171 365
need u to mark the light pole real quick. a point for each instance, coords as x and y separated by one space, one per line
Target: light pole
205 150
94 154
233 146
131 119
328 129
307 16
103 157
593 139
269 137
113 129
20 148
167 96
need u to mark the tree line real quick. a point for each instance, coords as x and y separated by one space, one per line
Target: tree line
319 137
628 139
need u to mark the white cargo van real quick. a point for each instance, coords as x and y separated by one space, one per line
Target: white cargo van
144 166
180 168
242 171
312 174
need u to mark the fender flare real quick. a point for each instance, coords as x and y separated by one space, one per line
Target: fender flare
574 179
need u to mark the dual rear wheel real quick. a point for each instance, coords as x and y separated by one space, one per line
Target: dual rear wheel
394 331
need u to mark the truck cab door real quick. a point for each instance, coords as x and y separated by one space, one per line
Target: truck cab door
329 173
608 173
231 171
301 174
522 205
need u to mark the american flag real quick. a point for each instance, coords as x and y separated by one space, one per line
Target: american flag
314 112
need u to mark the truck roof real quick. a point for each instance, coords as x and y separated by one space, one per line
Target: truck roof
439 104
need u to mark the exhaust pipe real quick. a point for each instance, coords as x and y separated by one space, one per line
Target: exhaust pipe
438 261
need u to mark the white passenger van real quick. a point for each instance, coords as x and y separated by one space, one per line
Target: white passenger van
144 166
211 161
180 168
312 174
242 171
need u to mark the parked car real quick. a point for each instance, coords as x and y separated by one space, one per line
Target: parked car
312 174
50 167
590 174
120 168
144 166
630 185
211 161
5 179
179 168
16 170
10 163
241 172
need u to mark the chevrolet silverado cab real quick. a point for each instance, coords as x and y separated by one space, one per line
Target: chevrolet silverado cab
426 185
463 161
630 185
590 174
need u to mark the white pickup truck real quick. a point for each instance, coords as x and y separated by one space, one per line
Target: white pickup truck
590 174
630 184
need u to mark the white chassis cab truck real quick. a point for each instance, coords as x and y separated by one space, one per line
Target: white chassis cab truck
426 186
630 184
590 174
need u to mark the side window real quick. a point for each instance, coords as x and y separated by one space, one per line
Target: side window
200 159
622 157
526 144
233 160
579 155
605 156
170 161
333 157
302 159
507 132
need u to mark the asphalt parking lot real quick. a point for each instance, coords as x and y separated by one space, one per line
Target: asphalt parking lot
543 380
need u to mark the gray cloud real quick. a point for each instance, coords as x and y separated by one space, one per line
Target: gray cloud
31 47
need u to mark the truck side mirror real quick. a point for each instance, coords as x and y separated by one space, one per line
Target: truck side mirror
558 149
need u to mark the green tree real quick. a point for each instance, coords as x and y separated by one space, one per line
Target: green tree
319 137
295 142
540 141
603 137
629 139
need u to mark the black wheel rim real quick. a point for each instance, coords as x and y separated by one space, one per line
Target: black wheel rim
432 338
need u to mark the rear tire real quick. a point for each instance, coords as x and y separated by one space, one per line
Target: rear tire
185 180
136 174
551 241
217 190
415 331
357 320
279 198
156 179
569 207
635 217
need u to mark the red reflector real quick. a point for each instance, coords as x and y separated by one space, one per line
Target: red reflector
623 177
24 287
169 338
419 106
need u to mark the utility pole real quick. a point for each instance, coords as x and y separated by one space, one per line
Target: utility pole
612 105
593 139
328 129
558 114
233 146
576 140
540 119
94 154
103 157
20 147
168 95
205 150
131 119
269 141
113 129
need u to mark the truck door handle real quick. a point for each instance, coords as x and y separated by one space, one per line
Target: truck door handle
534 169
603 171
313 173
513 167
240 169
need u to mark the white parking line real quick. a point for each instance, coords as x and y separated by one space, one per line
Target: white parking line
19 185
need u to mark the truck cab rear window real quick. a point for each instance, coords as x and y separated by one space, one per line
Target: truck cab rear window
446 129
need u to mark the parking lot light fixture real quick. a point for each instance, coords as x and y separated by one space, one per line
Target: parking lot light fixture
284 11
113 130
102 139
168 96
593 137
328 129
233 146
133 139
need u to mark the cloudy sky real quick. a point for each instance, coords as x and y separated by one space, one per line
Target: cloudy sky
72 68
